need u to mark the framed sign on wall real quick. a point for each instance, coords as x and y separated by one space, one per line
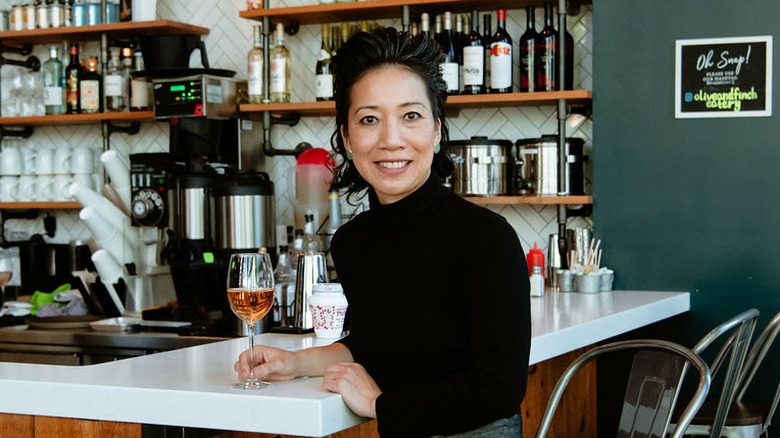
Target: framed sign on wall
723 77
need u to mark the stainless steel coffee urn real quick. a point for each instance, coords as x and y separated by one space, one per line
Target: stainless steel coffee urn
536 168
480 166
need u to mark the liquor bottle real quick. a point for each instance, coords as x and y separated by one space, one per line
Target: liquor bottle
284 279
528 52
487 35
54 84
255 66
73 74
90 88
474 59
501 57
280 69
311 242
324 88
425 24
546 50
568 58
139 87
115 84
451 64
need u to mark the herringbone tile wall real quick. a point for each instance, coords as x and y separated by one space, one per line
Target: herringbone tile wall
228 43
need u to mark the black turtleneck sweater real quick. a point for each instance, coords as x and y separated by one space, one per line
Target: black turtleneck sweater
439 306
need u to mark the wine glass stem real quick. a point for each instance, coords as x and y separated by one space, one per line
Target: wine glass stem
251 328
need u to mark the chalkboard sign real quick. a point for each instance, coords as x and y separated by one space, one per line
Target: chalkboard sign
724 77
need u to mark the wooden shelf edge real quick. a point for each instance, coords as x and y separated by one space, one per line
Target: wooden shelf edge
41 205
533 200
82 32
454 101
129 116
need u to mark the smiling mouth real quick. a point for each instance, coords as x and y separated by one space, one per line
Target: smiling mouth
393 164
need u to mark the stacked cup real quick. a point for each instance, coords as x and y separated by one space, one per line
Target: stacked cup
68 166
11 167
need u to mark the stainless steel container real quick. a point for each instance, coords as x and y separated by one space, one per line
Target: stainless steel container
480 166
537 168
244 211
192 200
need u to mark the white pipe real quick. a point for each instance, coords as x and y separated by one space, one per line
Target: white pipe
110 272
107 237
119 174
110 212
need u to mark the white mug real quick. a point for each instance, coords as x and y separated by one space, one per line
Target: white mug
9 186
11 161
26 190
85 179
62 157
44 161
60 188
43 188
144 10
28 156
82 160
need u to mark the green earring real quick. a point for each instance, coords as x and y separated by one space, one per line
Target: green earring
436 148
349 155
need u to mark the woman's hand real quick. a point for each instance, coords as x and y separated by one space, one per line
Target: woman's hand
269 364
356 387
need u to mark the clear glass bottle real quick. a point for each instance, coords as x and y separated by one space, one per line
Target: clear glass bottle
115 84
90 88
42 13
280 69
139 87
311 241
54 84
284 278
255 66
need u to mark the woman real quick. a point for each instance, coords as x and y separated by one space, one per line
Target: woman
437 286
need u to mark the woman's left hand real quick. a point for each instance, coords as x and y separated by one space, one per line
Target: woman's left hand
354 384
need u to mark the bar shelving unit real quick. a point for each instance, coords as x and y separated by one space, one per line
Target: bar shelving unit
39 205
74 119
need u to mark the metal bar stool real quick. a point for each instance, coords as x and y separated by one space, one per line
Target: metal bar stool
653 386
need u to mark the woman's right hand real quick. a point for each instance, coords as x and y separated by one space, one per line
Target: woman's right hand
269 364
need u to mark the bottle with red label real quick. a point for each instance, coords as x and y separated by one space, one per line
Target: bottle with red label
501 57
535 257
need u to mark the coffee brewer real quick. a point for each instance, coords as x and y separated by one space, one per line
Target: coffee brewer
183 195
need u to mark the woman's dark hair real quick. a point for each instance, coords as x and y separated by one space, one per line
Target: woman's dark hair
368 51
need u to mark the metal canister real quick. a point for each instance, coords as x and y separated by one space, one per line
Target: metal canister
43 14
57 14
93 13
29 16
17 17
79 13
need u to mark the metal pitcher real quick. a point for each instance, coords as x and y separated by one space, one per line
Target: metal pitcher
311 270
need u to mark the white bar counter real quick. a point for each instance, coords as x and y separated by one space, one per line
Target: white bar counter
191 386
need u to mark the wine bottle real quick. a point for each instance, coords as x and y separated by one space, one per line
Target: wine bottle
425 24
527 53
91 92
437 28
324 78
280 69
501 57
255 66
450 66
457 38
53 81
73 74
487 35
546 54
335 40
568 58
474 59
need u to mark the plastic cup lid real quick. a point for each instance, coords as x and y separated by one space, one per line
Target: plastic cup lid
326 288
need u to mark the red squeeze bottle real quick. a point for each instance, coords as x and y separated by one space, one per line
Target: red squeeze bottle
535 257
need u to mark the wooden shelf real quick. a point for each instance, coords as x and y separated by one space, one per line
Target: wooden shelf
536 200
455 102
378 9
40 205
114 30
70 119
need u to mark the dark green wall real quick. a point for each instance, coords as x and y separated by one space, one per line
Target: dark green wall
688 204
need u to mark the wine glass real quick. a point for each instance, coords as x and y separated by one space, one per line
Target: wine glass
250 291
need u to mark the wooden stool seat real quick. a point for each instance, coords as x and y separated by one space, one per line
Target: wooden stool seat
740 414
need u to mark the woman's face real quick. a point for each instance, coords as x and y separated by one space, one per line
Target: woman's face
391 131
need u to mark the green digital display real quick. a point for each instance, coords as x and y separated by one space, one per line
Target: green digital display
177 88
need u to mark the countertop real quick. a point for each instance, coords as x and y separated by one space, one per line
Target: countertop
190 386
